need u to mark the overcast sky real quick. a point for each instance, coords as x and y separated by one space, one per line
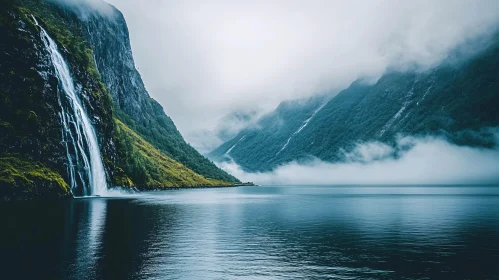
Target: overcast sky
204 59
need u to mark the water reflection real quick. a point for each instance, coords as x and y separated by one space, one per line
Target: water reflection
80 248
90 218
258 233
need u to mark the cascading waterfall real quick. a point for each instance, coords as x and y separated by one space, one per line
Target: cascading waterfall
85 167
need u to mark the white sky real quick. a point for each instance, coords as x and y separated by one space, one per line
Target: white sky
204 59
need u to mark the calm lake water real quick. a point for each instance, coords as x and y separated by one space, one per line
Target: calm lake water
288 232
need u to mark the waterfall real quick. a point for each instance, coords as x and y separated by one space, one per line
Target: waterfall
305 123
85 166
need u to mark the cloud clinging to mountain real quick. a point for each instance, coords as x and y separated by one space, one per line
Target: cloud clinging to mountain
204 59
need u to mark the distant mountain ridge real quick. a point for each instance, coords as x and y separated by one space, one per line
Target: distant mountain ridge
454 100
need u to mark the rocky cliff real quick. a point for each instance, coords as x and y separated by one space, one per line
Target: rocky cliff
109 39
33 154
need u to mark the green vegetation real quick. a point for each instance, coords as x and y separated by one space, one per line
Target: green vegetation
109 39
31 178
160 131
457 100
29 106
260 146
33 157
71 42
150 168
67 36
27 127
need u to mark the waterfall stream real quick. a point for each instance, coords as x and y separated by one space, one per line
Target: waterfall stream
85 168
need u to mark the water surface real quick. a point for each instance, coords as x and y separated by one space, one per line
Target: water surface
287 232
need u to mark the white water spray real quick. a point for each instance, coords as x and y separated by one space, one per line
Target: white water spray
85 166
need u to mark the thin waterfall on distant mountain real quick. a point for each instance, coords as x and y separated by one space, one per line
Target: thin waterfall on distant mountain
305 123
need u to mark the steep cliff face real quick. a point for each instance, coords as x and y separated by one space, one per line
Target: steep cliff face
109 39
30 111
34 159
455 100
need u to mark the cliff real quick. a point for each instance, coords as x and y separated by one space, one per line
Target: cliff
34 157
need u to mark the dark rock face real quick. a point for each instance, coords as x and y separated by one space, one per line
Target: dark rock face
457 101
29 121
109 40
96 47
30 124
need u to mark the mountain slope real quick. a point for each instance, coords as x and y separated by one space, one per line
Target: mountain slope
109 40
153 169
30 130
264 143
34 157
457 100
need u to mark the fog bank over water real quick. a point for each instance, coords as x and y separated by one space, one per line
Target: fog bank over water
429 161
203 60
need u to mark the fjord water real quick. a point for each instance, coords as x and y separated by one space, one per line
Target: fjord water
287 232
85 168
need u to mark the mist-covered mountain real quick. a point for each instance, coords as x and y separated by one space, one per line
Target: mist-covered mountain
458 100
72 103
109 40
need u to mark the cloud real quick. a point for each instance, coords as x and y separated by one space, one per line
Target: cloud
428 161
203 60
81 6
226 129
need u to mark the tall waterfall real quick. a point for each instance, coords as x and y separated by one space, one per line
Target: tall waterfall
85 166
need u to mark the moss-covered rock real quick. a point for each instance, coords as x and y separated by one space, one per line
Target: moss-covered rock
33 153
24 179
30 125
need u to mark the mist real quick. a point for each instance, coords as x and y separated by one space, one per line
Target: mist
203 60
429 160
82 6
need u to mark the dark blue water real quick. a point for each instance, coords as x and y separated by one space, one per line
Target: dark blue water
257 233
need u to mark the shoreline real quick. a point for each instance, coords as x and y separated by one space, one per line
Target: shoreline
197 187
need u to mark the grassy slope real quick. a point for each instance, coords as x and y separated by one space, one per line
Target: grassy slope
110 40
151 168
141 167
20 175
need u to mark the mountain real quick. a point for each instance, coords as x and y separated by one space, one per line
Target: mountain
109 40
226 128
74 112
457 99
262 144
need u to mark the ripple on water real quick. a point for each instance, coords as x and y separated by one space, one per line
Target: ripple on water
293 232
